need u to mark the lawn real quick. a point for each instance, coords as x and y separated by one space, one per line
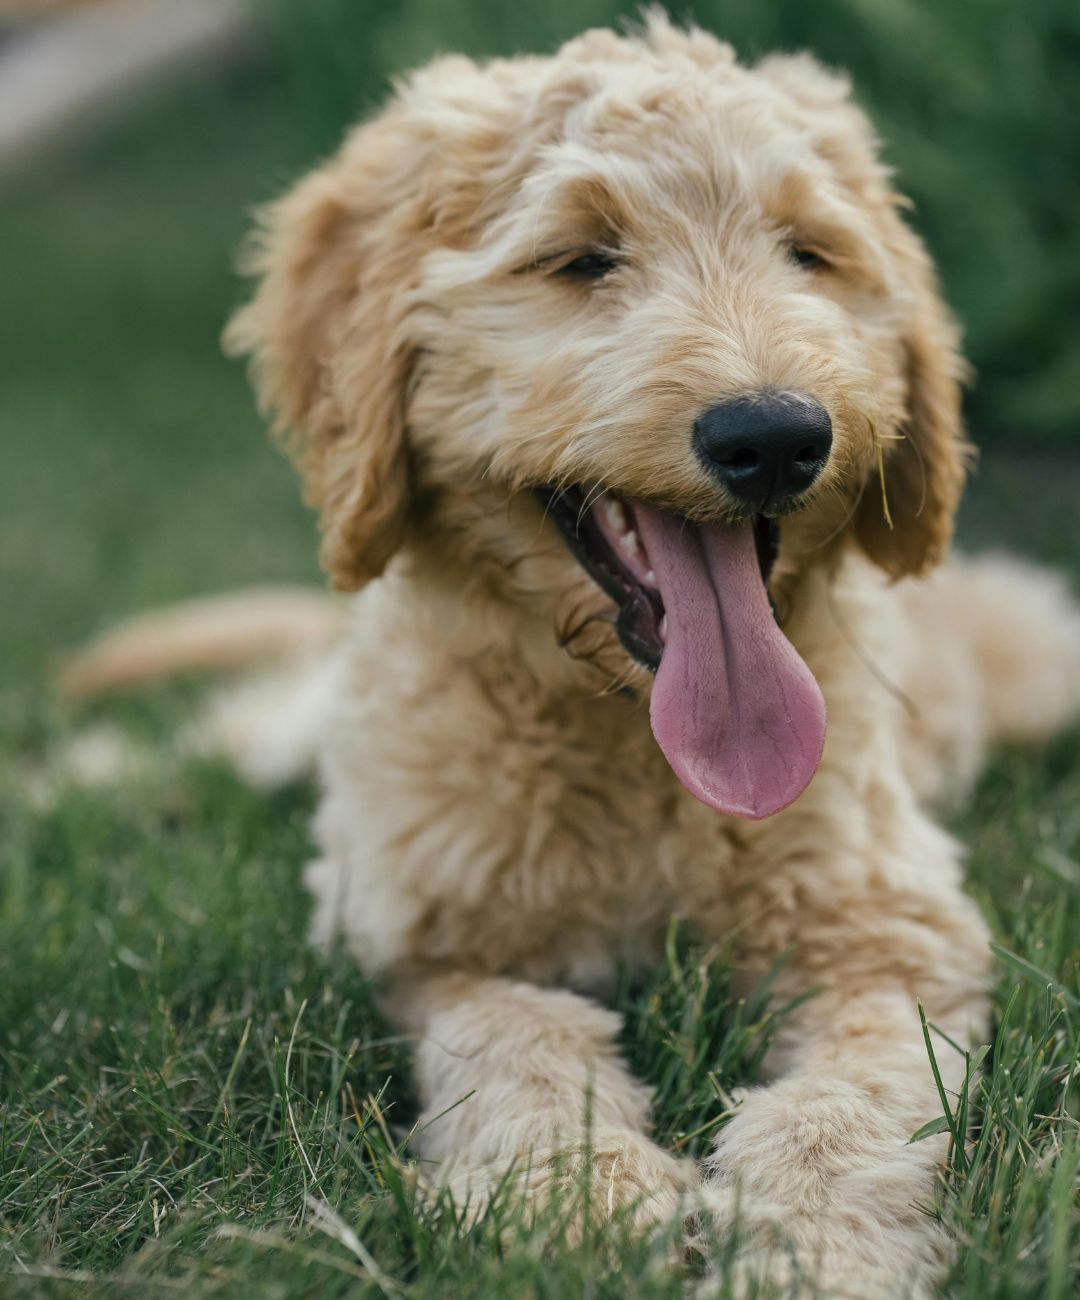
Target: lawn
192 1102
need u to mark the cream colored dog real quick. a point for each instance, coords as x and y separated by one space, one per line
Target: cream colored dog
621 386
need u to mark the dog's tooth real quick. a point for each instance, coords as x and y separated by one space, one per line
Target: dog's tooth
650 578
616 515
630 541
662 629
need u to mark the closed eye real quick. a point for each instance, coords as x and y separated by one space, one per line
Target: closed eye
585 265
592 265
810 259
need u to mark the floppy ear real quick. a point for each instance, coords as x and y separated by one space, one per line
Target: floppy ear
905 523
325 335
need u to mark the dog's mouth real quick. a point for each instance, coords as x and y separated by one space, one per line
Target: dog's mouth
602 532
736 711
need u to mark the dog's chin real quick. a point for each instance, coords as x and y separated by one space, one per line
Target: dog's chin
599 528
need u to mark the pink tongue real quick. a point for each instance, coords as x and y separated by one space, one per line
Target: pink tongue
737 713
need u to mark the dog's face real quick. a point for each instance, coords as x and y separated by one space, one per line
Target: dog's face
659 295
681 248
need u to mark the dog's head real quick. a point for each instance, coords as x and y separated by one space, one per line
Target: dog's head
664 299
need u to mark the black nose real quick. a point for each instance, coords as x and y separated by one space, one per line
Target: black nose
765 447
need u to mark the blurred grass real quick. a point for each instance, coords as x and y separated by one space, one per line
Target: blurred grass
174 1061
126 439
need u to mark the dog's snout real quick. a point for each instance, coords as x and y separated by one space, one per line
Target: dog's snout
766 448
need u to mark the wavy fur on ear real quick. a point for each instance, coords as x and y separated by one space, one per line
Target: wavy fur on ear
907 525
324 331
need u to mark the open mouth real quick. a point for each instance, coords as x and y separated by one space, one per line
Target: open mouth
601 529
734 708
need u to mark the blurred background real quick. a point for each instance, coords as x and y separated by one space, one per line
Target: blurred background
136 135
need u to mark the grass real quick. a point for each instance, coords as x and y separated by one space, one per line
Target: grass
191 1101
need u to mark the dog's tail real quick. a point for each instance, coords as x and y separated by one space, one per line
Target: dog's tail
213 634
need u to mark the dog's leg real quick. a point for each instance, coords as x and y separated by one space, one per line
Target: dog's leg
830 1185
524 1086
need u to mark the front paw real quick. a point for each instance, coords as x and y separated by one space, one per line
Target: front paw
815 1271
614 1174
830 1196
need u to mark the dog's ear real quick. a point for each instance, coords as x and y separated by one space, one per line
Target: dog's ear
905 516
904 520
325 335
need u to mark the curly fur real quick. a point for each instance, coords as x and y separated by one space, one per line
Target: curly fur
497 827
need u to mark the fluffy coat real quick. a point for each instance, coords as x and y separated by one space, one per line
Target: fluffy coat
497 828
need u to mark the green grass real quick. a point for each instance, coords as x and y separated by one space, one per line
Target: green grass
191 1101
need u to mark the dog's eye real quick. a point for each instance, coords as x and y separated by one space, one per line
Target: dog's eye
589 266
807 258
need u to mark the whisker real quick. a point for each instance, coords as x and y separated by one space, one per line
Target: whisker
817 546
592 495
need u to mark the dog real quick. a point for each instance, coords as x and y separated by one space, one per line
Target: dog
626 395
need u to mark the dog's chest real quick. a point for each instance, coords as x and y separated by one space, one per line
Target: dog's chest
501 834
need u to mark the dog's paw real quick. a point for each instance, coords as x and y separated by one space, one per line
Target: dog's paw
615 1175
829 1196
787 1272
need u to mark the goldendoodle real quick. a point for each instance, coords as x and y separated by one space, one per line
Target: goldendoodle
622 374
